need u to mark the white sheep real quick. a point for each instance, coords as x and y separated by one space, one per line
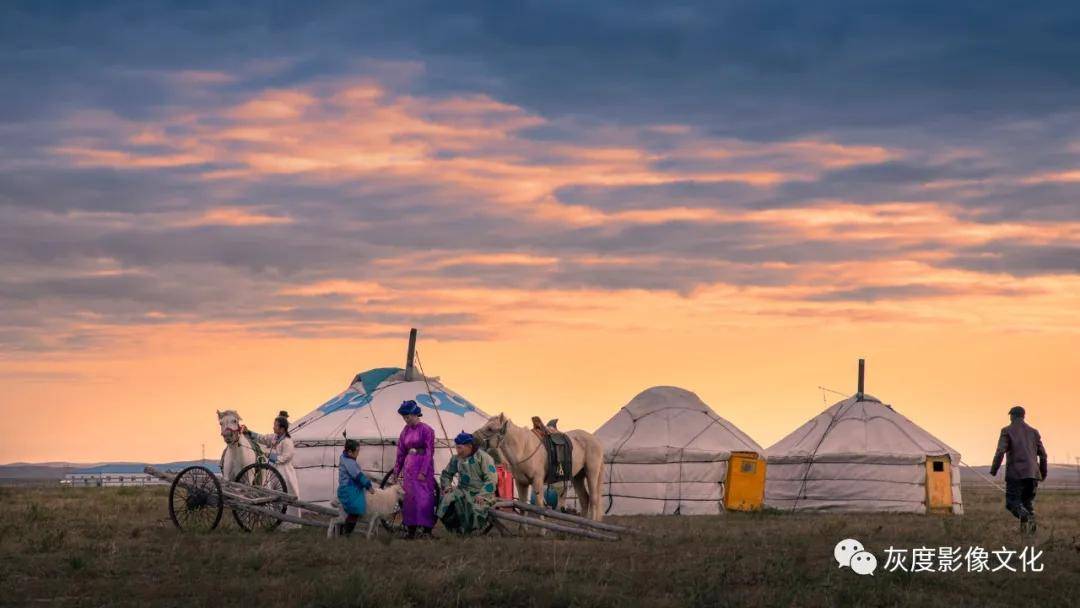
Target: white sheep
382 504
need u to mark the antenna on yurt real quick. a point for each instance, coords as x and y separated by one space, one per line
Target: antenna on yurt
410 374
411 355
862 380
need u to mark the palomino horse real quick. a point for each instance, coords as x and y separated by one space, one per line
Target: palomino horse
239 452
525 454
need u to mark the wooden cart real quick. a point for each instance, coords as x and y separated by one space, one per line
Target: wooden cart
257 498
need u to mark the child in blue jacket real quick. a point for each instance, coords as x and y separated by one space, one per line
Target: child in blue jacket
352 485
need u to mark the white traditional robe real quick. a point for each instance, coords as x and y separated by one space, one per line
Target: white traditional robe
282 447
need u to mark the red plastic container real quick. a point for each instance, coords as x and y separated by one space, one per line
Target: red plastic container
504 488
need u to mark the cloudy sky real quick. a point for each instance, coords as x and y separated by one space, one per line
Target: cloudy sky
240 204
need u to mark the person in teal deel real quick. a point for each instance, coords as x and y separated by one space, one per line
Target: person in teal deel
464 509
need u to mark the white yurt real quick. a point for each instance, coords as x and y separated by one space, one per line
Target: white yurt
667 452
862 455
367 411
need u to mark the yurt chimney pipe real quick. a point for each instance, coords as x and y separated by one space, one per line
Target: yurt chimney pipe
862 380
411 356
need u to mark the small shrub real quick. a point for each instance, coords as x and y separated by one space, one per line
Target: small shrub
76 562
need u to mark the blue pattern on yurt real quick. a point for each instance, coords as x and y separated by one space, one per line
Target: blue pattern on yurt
454 405
350 399
370 381
372 378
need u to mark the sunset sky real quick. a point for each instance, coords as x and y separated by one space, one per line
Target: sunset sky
232 206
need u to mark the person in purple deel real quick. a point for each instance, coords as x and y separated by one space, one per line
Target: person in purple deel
415 468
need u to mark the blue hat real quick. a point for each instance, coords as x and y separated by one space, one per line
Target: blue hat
409 408
463 438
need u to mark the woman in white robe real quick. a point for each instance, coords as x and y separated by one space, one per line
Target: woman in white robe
281 457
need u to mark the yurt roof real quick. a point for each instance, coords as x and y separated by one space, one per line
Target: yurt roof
860 429
670 420
367 409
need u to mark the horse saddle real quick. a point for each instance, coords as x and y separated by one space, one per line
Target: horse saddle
560 451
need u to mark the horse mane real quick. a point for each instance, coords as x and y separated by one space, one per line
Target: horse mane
227 412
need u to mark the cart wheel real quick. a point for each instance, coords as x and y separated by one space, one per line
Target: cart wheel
264 476
195 499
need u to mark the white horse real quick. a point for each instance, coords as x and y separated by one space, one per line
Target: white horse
239 452
524 452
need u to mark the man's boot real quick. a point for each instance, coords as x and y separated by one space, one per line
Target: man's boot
1024 517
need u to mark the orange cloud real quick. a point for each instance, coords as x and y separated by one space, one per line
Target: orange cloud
234 216
351 129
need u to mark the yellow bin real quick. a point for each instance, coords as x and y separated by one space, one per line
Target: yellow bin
745 488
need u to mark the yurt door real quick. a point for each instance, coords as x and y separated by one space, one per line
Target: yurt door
745 488
938 484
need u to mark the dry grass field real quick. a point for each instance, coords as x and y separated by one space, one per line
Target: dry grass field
116 547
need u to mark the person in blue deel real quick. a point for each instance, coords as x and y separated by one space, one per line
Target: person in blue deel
352 486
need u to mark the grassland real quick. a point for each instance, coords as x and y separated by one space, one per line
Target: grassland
116 547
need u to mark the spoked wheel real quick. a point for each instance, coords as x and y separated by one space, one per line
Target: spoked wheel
263 476
195 500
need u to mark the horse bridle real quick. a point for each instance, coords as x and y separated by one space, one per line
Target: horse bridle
501 434
235 434
228 432
486 436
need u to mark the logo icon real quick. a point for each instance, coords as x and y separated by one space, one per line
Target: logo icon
851 553
845 549
863 563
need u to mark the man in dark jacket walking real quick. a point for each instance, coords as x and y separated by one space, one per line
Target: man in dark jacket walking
1024 468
